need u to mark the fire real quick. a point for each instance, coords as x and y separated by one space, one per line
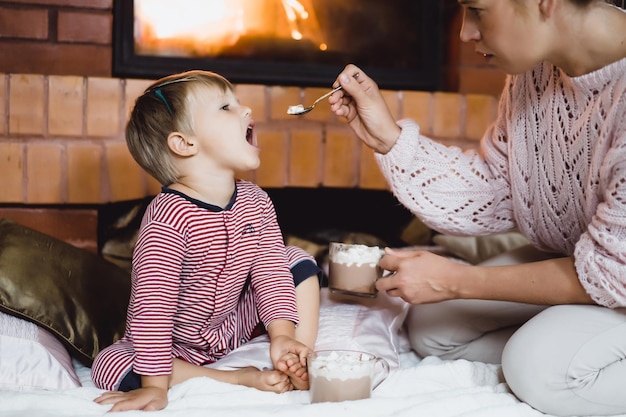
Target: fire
209 27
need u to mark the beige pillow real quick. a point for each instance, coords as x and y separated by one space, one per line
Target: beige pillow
476 249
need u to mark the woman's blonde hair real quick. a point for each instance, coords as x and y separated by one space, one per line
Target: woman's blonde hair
163 108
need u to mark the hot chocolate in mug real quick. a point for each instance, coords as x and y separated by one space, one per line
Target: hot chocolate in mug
344 375
353 269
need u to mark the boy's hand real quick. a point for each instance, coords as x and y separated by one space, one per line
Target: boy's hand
147 399
282 347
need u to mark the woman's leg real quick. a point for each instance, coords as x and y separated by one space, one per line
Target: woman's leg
570 360
475 330
472 329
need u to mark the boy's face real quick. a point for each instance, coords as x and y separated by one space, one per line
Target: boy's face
224 130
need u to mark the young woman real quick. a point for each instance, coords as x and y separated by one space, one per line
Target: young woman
553 165
210 267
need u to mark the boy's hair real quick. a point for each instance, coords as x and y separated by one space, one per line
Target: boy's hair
163 108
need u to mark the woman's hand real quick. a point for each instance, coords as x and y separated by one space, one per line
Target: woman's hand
363 106
420 277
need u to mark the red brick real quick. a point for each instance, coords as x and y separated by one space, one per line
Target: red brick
78 227
341 156
65 105
104 100
85 27
370 176
125 176
21 23
273 169
96 4
480 112
447 115
392 98
3 110
26 112
84 172
55 59
44 173
305 156
12 172
418 106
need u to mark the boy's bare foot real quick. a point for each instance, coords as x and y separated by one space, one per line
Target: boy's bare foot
270 380
296 372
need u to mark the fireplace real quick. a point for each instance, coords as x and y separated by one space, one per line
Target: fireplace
282 42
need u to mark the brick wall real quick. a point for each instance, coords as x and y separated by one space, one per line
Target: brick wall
67 37
62 139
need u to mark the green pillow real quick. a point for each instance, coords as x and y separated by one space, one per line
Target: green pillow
78 296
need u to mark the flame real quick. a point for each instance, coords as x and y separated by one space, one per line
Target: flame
207 27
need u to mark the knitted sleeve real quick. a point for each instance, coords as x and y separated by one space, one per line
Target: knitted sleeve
600 253
452 191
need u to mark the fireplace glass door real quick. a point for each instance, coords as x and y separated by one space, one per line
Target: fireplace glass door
285 42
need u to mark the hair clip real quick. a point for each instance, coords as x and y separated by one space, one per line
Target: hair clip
160 95
156 89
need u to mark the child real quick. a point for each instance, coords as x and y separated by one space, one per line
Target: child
210 267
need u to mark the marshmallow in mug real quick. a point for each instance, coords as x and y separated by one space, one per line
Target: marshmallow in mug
340 366
357 255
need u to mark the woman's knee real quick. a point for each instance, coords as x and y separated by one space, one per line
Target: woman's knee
565 361
430 334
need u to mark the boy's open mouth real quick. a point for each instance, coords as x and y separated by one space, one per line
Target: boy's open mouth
250 138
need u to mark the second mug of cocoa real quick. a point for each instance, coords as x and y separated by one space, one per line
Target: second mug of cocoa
353 269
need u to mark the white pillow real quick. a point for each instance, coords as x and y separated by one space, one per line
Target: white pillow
373 325
32 358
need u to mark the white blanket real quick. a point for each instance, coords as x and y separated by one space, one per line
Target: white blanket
429 387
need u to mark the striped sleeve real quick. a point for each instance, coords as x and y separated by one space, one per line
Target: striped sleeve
156 269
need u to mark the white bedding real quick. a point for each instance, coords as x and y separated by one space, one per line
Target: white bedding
428 387
415 387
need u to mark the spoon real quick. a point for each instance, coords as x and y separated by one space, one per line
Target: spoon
300 109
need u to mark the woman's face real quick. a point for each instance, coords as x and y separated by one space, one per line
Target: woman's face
507 33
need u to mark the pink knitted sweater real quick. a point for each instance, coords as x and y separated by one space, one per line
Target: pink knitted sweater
553 165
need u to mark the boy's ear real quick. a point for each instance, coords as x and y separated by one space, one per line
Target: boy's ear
181 145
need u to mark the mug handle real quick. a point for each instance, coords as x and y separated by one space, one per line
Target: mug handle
380 377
